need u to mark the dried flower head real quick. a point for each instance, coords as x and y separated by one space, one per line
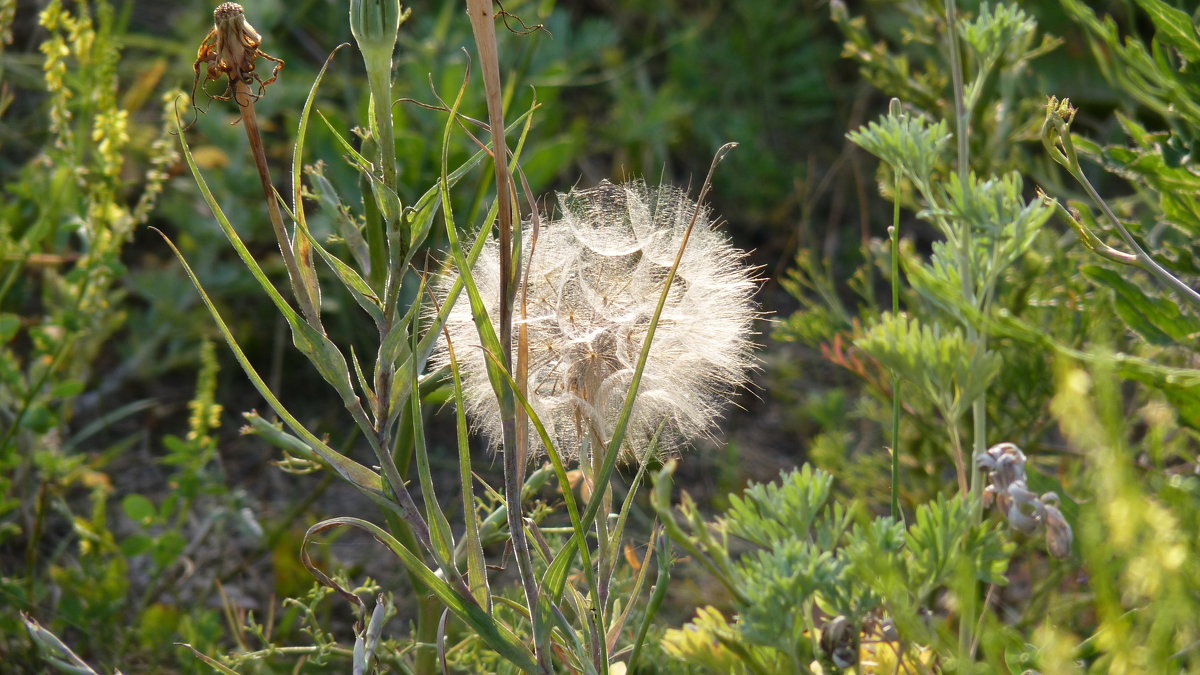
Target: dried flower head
594 280
230 50
1004 464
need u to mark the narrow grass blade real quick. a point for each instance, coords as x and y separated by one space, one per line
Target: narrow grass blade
476 567
359 289
618 437
582 664
590 643
301 135
489 340
657 594
439 526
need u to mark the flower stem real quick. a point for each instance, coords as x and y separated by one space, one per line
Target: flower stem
1069 159
967 274
382 131
305 294
483 27
966 271
894 235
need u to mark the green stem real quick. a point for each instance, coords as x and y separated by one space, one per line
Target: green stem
379 79
894 235
1148 263
380 82
1058 127
967 274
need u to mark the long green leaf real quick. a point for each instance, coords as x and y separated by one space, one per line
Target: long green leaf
314 345
439 527
364 479
495 634
483 324
359 289
556 574
476 567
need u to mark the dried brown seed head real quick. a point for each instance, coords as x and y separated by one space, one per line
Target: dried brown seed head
226 10
230 50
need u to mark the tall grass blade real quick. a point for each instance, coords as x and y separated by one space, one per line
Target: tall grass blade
439 526
476 566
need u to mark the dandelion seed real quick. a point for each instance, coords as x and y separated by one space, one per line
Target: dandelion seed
595 279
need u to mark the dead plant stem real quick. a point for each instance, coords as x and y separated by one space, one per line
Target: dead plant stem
245 99
483 27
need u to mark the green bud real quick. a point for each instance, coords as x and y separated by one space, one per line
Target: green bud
375 25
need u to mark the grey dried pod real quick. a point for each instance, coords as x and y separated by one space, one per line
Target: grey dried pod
1025 510
1058 532
595 276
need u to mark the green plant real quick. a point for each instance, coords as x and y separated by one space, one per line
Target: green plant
818 589
1036 332
565 606
64 224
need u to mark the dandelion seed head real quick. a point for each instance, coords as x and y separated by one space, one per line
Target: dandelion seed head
594 281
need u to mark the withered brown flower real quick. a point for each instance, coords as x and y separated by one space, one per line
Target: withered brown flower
230 49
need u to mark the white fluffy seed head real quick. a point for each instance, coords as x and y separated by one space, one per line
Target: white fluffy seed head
595 278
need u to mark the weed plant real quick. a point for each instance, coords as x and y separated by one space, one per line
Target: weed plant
67 216
606 312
